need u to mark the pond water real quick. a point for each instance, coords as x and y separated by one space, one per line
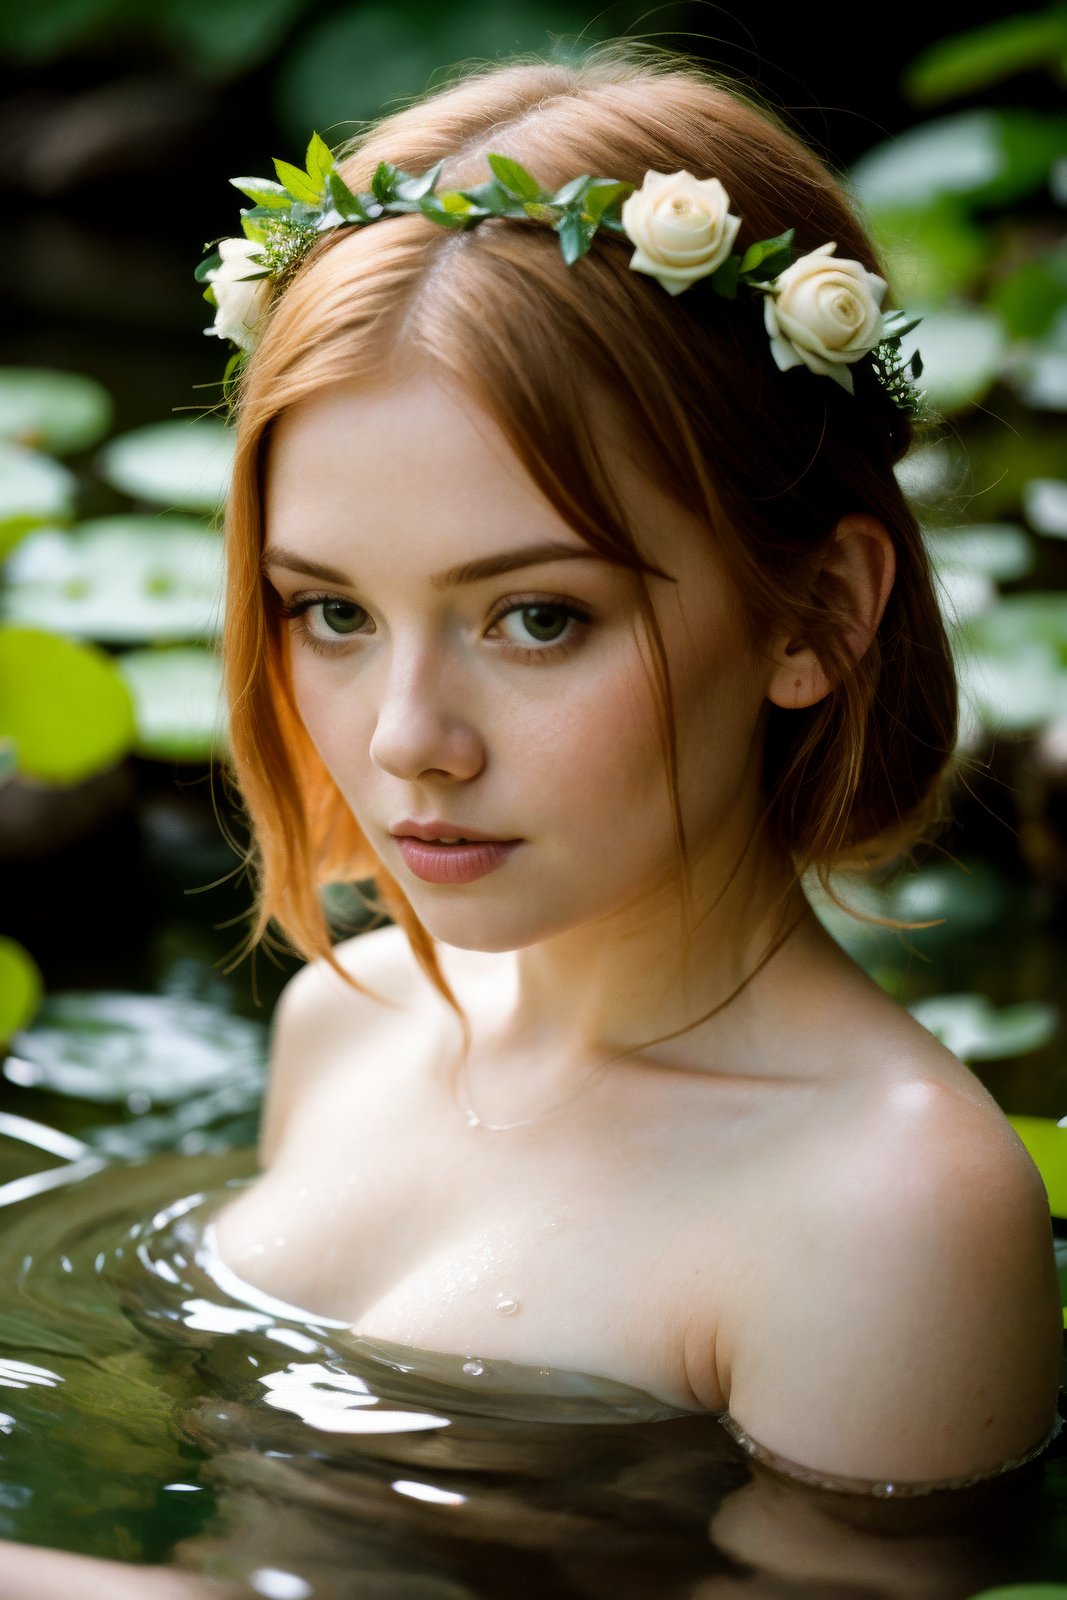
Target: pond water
155 1408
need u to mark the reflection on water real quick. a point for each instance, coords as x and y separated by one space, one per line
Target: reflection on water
155 1408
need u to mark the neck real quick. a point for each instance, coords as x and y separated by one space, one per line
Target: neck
556 1010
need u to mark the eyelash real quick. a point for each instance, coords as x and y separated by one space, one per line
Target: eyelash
295 610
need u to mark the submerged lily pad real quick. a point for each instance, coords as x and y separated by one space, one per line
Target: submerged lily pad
50 410
975 1030
181 464
107 1046
21 987
63 705
119 580
178 698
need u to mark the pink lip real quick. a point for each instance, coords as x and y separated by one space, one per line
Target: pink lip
454 863
436 828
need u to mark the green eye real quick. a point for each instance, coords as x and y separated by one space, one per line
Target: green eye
342 616
545 623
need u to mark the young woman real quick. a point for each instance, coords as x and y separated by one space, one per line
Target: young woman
621 584
576 603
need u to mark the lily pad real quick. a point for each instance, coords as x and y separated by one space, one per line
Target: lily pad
1046 1142
1024 1591
1000 551
63 705
33 486
178 698
21 987
962 352
990 157
963 594
181 464
1045 504
975 1030
54 411
1017 692
107 1046
119 579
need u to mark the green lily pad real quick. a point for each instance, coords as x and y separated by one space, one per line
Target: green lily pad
929 472
1046 1142
33 486
119 579
931 251
178 698
989 157
962 349
1042 380
963 594
1045 504
1018 619
54 411
21 987
63 705
106 1046
1020 692
973 1029
1024 1591
181 464
1000 551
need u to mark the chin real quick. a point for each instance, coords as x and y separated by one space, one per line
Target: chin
513 926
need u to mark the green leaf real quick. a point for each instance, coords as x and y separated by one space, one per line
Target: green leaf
573 190
969 61
767 257
413 188
515 178
895 324
385 176
602 193
318 161
54 411
64 705
21 988
491 197
724 279
265 192
208 264
348 204
575 235
298 183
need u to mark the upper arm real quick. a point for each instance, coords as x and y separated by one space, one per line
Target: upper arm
915 1332
315 1009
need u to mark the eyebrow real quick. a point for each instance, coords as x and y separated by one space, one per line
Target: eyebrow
530 555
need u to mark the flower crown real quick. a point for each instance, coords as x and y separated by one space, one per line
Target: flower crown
820 311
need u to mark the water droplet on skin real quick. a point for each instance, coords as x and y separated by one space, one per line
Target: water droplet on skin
507 1305
474 1369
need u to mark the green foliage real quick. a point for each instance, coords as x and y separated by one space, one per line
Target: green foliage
63 705
21 988
984 56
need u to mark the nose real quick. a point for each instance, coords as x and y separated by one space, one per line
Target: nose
422 727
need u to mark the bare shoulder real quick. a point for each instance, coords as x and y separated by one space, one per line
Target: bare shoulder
317 1008
907 1325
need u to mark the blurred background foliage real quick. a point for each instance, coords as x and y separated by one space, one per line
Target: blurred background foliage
121 123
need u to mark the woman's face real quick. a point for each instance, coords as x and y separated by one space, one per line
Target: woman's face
515 703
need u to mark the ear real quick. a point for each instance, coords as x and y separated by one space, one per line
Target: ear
861 556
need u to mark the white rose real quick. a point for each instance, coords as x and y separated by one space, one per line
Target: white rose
681 225
824 313
240 303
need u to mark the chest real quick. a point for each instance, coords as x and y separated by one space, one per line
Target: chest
569 1244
